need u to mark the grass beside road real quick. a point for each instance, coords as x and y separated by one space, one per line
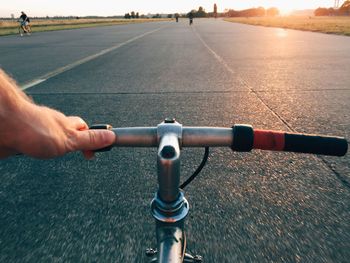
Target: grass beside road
11 27
331 25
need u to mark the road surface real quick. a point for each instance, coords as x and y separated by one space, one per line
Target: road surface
250 207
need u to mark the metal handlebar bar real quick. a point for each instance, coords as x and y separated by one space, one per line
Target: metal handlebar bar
240 138
191 137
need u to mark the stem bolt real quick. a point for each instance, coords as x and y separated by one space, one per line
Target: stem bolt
169 120
151 252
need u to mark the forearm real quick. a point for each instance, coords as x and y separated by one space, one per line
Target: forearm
26 127
11 97
39 131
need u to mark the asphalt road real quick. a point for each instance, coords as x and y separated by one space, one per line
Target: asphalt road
251 207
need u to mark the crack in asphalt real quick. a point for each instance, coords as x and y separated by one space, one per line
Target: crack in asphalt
244 82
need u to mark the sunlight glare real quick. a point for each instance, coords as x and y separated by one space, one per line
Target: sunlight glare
285 11
287 7
281 32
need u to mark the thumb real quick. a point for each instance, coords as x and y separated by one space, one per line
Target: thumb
94 139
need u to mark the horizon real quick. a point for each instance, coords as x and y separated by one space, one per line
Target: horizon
41 8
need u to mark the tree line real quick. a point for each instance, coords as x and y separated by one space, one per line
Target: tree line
132 14
251 12
344 10
136 15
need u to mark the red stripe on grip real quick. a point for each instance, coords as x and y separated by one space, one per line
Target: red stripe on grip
268 140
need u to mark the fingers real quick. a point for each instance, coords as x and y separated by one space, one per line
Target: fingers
88 140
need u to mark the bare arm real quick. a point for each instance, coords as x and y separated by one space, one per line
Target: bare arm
42 132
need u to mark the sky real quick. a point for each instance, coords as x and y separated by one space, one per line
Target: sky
118 7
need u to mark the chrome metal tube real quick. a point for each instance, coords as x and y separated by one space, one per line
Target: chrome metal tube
170 243
206 136
191 137
168 161
136 137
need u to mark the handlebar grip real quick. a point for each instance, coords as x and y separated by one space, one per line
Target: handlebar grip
299 142
243 138
102 127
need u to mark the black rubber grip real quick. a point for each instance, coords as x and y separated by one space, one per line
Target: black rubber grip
102 127
316 144
243 138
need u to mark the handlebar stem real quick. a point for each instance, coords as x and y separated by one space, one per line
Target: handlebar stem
168 161
169 204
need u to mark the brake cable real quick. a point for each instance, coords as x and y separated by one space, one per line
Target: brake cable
198 170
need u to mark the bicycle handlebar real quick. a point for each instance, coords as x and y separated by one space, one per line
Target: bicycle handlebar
242 138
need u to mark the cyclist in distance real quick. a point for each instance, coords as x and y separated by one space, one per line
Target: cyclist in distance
24 20
190 16
41 132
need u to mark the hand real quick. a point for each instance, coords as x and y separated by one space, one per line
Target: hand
42 132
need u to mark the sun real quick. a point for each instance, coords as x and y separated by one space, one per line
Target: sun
287 7
284 11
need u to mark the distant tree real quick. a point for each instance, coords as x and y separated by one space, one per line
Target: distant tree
170 16
137 15
157 16
260 11
273 11
215 11
200 13
332 12
132 14
321 11
127 16
193 11
345 8
345 4
231 13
